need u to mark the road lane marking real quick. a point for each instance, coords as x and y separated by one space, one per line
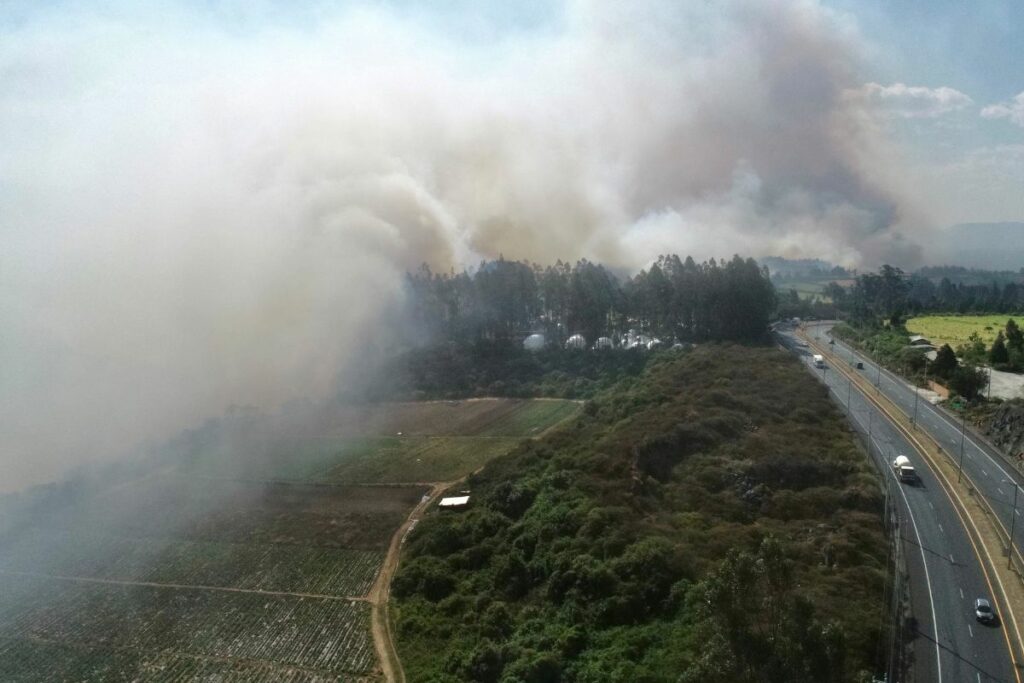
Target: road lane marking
1000 491
961 593
951 559
971 630
984 472
941 529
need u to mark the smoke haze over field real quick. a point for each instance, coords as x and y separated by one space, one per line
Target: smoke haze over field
205 209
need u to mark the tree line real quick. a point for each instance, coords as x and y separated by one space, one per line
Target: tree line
672 299
892 293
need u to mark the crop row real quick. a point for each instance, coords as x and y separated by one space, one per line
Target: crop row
329 571
317 633
32 661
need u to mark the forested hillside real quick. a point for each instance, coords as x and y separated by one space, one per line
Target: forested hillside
674 298
708 520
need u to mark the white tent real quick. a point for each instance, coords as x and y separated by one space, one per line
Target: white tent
535 342
576 341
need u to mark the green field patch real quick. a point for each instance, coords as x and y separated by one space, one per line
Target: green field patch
326 571
531 418
317 633
955 330
416 458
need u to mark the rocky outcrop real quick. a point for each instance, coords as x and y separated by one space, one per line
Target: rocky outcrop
1006 428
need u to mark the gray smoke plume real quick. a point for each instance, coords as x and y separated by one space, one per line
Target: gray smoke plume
202 208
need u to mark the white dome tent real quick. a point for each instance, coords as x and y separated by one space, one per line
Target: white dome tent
603 343
576 341
535 342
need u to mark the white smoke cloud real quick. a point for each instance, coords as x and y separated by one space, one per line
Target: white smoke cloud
196 212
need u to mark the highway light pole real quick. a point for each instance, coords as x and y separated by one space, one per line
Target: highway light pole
963 427
913 420
1013 523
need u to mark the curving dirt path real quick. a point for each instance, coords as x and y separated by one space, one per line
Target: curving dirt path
380 624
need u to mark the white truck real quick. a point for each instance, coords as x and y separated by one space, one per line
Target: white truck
819 360
903 469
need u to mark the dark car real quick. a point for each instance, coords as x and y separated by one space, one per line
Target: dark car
983 611
860 366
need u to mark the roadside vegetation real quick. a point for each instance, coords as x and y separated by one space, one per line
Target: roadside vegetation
711 519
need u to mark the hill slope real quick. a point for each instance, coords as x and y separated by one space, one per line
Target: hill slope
710 520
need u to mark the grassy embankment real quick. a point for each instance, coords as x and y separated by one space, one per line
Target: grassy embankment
711 520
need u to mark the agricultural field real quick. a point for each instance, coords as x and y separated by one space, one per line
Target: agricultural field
381 443
416 458
330 636
265 567
956 329
248 557
472 417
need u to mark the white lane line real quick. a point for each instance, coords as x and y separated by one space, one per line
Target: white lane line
941 529
1018 512
930 505
984 472
951 558
971 630
1000 491
961 593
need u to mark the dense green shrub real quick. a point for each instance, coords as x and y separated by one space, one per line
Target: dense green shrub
660 537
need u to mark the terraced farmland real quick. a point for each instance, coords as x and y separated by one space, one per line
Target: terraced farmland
250 558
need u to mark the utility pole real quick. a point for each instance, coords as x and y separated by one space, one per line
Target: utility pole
849 389
963 427
913 420
1013 523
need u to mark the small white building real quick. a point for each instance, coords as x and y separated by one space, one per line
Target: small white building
920 340
454 503
535 342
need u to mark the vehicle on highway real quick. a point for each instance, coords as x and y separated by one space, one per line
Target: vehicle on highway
819 361
983 611
860 366
903 469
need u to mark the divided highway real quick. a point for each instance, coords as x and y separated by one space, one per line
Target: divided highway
992 476
945 571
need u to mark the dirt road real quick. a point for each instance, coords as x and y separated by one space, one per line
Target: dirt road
380 624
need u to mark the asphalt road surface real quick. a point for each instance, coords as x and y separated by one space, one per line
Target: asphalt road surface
992 476
945 573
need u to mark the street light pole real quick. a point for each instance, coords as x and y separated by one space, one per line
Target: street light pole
1013 523
917 392
963 427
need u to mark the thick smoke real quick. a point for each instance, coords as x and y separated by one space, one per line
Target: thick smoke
199 210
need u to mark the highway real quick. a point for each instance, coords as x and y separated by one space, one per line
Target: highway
992 476
945 571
